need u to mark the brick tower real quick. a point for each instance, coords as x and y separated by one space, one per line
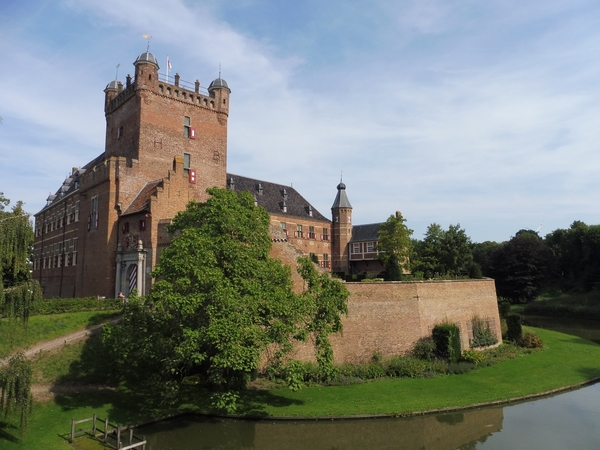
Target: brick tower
341 212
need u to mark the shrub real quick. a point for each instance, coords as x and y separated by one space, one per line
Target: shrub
515 328
503 307
457 368
68 305
369 371
406 367
530 340
473 356
482 335
424 349
446 337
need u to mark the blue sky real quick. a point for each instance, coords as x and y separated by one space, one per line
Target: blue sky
485 114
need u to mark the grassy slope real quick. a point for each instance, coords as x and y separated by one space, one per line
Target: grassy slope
42 328
567 361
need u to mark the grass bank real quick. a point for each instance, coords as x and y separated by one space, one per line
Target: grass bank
14 335
566 361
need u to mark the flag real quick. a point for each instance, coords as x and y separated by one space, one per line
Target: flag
169 63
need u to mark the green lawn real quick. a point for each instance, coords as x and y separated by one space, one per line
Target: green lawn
42 328
567 361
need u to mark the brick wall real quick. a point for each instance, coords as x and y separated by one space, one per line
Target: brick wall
389 317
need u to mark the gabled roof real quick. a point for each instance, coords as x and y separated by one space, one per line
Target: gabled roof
272 196
362 233
141 202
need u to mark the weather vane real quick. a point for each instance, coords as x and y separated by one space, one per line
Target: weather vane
147 36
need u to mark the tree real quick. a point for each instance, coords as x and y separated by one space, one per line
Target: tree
17 296
444 252
521 266
394 246
220 301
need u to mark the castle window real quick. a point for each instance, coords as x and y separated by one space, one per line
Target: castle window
311 232
93 219
76 212
187 159
120 133
325 236
283 226
142 224
125 227
355 248
299 230
370 247
186 127
325 260
74 251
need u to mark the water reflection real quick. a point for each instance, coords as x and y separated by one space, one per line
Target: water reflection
440 432
568 420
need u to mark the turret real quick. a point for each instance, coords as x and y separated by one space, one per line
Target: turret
341 212
219 90
112 90
146 72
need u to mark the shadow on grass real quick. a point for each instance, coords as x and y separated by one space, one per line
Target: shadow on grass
92 382
8 432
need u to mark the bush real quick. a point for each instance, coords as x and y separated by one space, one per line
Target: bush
515 328
369 371
406 367
69 305
457 368
503 307
482 335
446 337
473 356
530 340
424 349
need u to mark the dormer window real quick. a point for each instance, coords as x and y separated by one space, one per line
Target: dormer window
310 211
231 184
283 206
285 195
260 189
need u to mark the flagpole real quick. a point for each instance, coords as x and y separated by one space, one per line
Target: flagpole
167 68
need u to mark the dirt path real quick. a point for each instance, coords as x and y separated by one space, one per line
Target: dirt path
58 342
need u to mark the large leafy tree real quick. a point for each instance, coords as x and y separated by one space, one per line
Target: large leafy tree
521 266
220 301
394 246
444 252
577 252
17 295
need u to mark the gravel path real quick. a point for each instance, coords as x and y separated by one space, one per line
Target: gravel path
58 342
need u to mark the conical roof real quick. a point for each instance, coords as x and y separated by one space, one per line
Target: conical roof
341 199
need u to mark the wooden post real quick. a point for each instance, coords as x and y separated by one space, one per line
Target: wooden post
94 424
130 435
72 429
118 437
144 445
105 429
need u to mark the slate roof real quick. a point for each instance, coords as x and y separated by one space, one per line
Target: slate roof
141 202
71 183
341 199
272 197
362 233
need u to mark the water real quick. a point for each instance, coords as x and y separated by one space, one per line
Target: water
567 421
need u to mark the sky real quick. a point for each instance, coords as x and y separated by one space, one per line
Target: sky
483 114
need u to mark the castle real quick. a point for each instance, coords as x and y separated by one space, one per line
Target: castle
102 232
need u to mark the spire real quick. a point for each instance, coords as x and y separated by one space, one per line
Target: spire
341 199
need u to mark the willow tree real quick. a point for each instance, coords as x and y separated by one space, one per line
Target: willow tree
17 296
